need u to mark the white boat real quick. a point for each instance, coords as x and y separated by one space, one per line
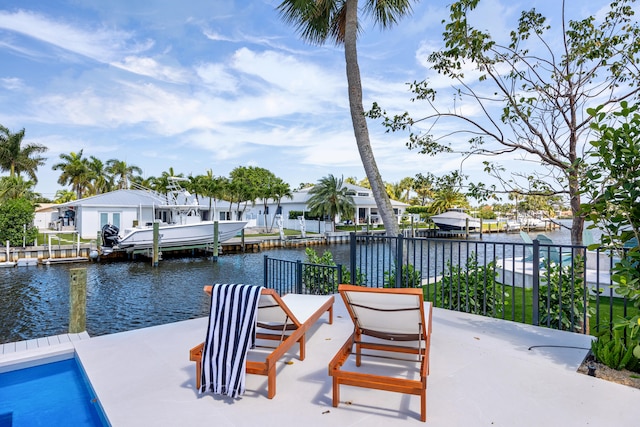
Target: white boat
518 271
185 226
531 223
455 219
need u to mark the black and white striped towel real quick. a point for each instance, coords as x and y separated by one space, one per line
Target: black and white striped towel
231 332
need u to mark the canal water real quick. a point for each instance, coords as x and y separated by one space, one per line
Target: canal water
121 296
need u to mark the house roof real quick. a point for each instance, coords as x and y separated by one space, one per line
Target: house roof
360 199
119 198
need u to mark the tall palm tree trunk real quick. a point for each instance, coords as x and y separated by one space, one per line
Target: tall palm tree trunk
360 122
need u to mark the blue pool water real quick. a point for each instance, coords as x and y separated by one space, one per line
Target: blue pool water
53 394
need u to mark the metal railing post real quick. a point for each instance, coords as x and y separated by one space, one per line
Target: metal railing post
399 260
535 320
352 256
265 279
298 277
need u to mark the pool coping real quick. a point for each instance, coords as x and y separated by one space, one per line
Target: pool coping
29 353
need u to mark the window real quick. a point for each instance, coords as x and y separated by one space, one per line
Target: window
109 218
363 194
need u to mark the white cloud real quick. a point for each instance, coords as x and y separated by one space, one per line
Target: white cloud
149 67
217 78
12 83
101 44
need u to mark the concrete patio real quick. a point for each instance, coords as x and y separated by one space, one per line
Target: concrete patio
484 372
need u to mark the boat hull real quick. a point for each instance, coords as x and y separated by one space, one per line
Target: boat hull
200 233
455 221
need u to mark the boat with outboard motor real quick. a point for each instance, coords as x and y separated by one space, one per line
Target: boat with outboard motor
184 226
455 219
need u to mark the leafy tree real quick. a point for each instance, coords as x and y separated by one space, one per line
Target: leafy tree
17 158
244 187
337 20
266 187
612 184
14 215
531 93
122 172
75 172
330 197
423 187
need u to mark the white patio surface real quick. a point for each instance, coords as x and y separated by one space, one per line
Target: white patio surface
483 373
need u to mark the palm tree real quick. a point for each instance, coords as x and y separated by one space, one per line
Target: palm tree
212 187
406 184
101 182
14 187
447 198
318 21
280 189
396 191
121 171
16 158
64 196
75 172
331 197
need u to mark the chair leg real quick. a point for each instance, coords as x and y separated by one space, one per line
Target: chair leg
336 392
271 383
198 373
423 406
302 347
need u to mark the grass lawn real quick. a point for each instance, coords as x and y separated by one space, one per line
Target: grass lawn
518 305
63 239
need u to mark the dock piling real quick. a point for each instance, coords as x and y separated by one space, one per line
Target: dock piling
156 243
215 241
78 300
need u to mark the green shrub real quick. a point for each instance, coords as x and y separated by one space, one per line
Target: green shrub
14 215
473 289
321 280
307 215
619 348
562 299
411 278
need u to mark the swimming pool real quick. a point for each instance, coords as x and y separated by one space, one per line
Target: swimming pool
52 394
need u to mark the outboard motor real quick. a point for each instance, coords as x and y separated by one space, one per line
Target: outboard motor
110 235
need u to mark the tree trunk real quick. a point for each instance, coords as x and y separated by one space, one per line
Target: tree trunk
360 122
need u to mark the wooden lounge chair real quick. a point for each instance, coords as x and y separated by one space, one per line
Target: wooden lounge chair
388 323
283 319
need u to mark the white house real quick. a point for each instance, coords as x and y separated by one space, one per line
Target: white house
46 214
366 210
128 208
125 209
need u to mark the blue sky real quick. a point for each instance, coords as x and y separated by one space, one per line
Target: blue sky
216 84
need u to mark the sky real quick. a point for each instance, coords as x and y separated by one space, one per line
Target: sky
216 84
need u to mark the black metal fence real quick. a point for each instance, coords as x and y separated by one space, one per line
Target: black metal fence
301 277
559 286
